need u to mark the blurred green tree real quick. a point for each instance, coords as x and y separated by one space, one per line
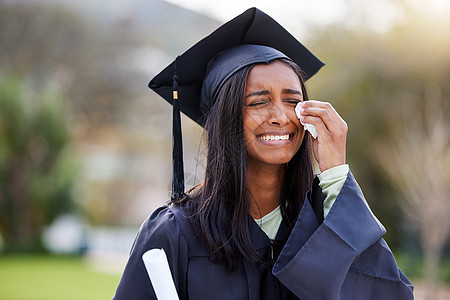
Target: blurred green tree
418 163
48 42
392 89
365 76
37 168
89 61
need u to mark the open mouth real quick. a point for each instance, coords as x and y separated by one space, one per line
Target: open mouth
275 137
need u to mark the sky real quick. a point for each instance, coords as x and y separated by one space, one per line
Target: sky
299 15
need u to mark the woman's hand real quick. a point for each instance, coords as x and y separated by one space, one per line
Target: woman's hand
329 146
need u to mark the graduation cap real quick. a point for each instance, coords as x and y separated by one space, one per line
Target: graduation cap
192 81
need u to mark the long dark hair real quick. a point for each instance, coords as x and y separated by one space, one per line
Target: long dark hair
219 208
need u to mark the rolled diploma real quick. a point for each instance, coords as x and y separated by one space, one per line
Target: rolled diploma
309 127
155 261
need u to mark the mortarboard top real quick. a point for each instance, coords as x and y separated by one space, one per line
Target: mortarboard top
251 27
191 82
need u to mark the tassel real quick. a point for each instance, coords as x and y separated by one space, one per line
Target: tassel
177 146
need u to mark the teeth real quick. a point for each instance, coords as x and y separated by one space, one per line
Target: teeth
271 138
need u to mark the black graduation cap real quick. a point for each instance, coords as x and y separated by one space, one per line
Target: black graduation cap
252 37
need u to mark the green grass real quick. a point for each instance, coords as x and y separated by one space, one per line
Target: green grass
53 278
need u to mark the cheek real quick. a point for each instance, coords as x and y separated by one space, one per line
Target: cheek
293 118
300 132
249 133
250 122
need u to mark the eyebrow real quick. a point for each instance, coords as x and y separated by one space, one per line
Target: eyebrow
291 91
258 93
266 92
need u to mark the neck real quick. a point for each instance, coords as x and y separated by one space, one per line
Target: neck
264 184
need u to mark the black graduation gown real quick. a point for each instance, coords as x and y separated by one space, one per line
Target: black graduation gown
341 257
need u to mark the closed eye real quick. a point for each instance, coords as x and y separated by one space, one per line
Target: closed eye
292 101
293 96
257 102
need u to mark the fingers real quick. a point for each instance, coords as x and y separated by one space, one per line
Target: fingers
330 146
323 116
320 104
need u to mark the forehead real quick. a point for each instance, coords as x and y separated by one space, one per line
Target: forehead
275 72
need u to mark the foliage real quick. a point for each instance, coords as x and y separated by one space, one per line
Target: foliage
37 170
47 42
393 91
418 162
88 61
53 278
368 78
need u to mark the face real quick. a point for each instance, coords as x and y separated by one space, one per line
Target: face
272 131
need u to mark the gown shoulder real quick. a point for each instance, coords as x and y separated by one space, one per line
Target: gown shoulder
343 256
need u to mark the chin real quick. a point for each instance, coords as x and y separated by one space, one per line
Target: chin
280 160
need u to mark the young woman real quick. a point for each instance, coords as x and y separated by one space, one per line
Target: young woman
260 226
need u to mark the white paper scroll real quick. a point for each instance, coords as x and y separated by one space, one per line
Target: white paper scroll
311 128
155 261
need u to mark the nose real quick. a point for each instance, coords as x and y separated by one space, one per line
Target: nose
278 116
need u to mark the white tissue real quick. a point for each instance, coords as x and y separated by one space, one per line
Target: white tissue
309 127
158 270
